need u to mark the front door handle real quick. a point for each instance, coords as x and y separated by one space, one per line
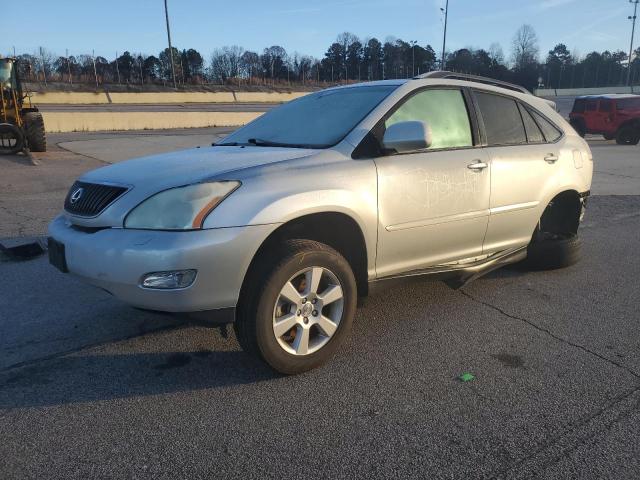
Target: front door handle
551 158
477 166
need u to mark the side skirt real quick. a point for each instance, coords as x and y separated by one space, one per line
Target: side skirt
455 276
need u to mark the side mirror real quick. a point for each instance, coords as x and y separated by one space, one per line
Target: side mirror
407 136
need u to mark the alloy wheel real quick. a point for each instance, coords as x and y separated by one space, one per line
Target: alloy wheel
308 311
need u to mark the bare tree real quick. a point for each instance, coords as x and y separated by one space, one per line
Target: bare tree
495 53
525 47
250 64
225 62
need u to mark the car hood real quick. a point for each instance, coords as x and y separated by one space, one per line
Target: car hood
159 172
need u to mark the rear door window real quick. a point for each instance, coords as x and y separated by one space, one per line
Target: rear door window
592 105
444 110
606 105
502 120
534 134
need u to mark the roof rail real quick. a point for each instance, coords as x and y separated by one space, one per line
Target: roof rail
473 78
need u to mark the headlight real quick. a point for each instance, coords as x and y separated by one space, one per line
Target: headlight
182 208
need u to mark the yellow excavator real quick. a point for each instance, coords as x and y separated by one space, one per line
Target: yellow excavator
21 126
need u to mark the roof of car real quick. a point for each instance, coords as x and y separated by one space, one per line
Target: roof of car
612 96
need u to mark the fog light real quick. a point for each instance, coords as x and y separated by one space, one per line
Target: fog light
169 280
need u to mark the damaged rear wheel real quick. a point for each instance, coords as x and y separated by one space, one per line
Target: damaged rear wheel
550 251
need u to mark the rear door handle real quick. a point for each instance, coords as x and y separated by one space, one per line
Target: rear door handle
551 158
477 166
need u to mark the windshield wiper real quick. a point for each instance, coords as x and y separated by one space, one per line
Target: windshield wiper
258 142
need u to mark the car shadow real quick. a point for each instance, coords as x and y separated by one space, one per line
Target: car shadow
95 376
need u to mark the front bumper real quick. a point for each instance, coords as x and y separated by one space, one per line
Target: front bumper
116 259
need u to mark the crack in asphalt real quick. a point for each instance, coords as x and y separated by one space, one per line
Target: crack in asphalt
575 426
57 355
82 154
614 174
551 334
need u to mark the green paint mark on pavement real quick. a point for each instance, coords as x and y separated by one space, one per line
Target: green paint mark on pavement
466 377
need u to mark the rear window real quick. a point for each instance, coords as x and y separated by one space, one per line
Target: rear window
502 120
628 104
578 105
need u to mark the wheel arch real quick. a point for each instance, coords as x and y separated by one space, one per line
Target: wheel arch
632 122
336 229
562 213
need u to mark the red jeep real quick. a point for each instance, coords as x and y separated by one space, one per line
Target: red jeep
614 116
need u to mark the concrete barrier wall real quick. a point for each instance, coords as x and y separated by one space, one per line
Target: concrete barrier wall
267 97
172 97
98 121
576 92
85 98
74 98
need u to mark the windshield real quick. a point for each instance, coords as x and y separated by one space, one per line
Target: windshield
5 73
317 120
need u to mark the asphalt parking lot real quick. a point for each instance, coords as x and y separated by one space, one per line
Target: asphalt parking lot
92 388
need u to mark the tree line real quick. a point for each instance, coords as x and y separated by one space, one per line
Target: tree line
347 59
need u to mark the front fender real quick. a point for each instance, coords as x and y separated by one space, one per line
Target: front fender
277 196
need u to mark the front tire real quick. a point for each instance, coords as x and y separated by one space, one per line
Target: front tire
34 132
297 307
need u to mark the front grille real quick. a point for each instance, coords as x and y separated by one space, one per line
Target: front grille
90 199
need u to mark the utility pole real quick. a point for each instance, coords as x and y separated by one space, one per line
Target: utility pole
95 71
69 67
633 31
44 73
444 36
117 68
413 57
173 69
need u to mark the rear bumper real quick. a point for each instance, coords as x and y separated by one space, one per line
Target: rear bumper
116 259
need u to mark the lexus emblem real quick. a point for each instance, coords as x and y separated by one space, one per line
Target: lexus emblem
76 195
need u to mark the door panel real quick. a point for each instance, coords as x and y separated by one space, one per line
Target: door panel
518 176
433 209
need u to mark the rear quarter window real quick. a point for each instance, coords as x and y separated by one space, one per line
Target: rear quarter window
628 104
550 131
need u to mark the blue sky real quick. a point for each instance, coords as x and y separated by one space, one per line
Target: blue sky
308 26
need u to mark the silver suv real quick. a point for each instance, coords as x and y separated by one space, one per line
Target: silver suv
284 224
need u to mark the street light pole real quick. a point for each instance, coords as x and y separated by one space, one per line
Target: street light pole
413 57
444 36
173 69
633 31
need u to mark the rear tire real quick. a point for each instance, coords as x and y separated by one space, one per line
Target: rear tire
11 139
628 135
264 307
34 132
553 251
